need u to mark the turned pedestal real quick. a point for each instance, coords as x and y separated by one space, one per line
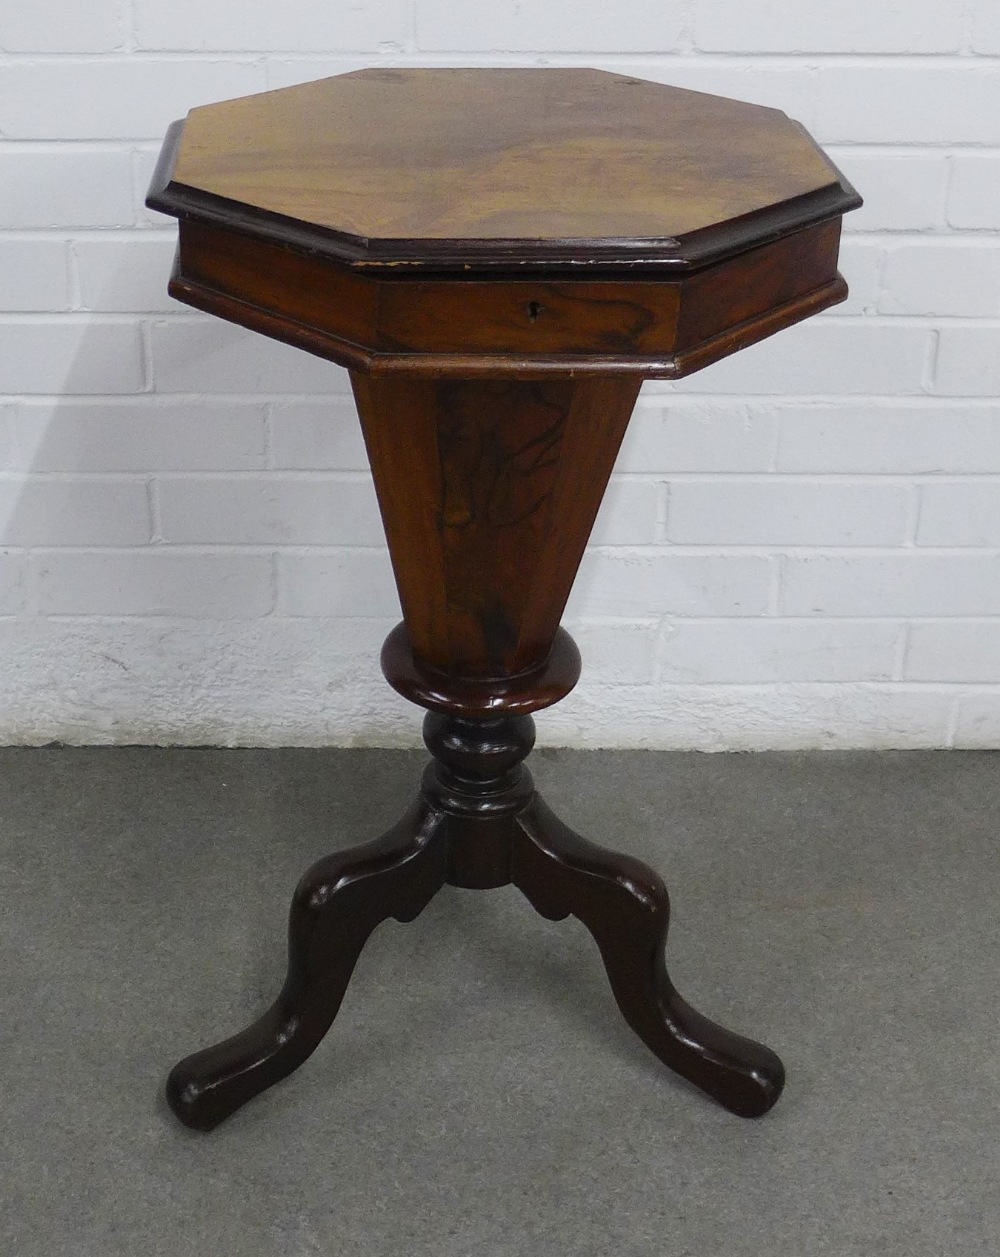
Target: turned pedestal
499 257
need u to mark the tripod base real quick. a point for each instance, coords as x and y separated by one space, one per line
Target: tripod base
478 822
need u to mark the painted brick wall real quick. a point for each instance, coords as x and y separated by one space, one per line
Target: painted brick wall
800 547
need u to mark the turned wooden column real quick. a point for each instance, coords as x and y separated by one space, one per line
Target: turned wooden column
499 257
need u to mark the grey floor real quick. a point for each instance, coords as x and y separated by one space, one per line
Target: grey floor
479 1093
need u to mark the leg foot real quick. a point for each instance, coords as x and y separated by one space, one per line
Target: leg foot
337 904
625 906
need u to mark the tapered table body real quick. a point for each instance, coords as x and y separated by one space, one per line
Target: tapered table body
499 257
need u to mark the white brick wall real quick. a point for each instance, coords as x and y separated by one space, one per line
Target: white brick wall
975 191
800 547
857 26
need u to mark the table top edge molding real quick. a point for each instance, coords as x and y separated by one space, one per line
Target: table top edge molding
402 258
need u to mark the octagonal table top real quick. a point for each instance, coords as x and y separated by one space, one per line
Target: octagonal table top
500 167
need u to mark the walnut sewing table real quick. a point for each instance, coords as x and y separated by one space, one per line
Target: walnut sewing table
500 257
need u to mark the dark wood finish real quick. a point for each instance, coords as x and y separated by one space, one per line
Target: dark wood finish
500 257
624 905
640 327
337 904
478 823
479 696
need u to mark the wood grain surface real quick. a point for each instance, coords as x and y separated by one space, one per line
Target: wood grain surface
447 325
406 166
488 491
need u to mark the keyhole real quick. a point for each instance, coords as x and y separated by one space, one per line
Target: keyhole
533 311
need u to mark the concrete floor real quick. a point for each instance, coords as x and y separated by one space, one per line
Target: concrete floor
479 1093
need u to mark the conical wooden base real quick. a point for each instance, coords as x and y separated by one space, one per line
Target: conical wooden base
488 490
